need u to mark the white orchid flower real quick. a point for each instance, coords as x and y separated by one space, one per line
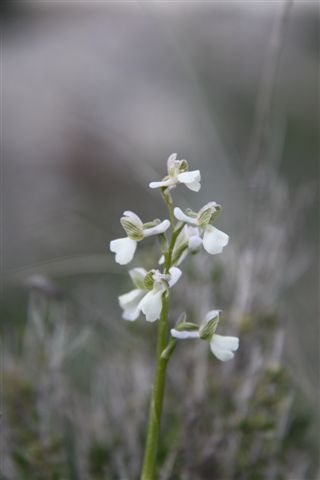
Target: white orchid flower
125 248
178 173
213 240
221 346
146 297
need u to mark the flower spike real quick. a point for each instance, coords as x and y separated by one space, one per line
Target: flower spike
151 291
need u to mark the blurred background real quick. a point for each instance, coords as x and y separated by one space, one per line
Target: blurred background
95 97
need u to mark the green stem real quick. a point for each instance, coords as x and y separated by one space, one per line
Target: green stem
168 200
164 353
149 462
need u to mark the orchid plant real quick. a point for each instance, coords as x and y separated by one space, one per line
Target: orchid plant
189 231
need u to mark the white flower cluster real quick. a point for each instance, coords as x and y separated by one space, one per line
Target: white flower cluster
192 231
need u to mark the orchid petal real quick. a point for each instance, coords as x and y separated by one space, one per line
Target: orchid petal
137 276
180 215
225 342
194 186
175 274
189 177
182 335
124 248
162 227
126 299
214 240
171 162
210 316
165 183
209 325
223 355
129 302
222 347
194 243
211 205
151 305
205 213
134 217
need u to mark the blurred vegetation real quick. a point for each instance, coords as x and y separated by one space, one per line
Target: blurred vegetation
95 98
249 422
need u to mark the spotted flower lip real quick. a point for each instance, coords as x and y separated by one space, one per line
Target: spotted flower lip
125 248
222 347
146 297
178 173
212 239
